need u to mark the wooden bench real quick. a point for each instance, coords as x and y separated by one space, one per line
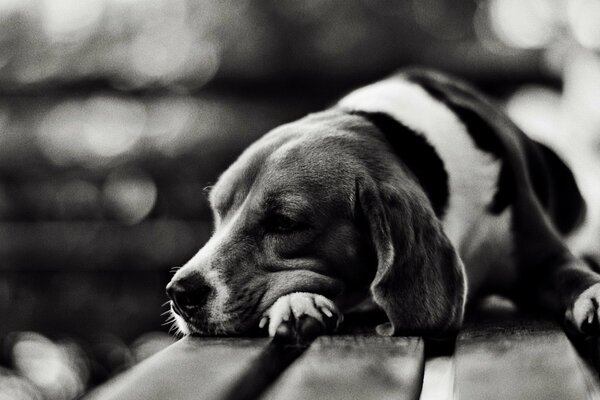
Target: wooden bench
497 358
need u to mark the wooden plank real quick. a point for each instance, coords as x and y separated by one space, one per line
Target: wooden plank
518 361
200 368
354 367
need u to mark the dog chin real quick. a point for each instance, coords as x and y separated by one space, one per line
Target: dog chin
186 328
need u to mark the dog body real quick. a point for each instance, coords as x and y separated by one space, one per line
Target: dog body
472 177
412 192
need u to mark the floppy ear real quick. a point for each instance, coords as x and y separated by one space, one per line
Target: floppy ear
420 280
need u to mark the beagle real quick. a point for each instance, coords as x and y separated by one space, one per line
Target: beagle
415 193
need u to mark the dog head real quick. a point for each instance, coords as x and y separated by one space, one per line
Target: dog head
318 206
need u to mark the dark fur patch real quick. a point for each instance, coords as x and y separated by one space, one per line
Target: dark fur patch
485 138
552 181
555 187
417 154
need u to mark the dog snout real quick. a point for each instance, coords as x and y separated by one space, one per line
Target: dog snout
188 294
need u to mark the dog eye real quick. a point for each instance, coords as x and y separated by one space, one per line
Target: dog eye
282 224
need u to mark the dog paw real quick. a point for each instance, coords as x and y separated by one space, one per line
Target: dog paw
584 315
301 317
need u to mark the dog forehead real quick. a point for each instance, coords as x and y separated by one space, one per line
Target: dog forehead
310 155
312 164
320 148
240 175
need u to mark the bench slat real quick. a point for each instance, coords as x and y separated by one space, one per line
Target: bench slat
193 368
439 379
532 361
354 367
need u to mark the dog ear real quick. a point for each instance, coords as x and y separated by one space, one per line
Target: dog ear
420 280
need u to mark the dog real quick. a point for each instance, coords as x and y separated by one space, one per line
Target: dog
414 194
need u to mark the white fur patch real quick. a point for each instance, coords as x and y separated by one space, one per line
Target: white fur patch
217 304
181 325
472 173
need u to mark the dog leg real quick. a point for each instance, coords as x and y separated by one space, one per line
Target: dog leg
572 290
301 316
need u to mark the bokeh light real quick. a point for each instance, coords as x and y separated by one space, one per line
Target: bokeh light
14 387
538 110
161 53
53 367
96 131
133 44
61 128
46 369
112 126
69 20
524 24
582 90
584 21
129 195
171 124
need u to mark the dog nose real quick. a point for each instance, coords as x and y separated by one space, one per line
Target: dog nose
188 294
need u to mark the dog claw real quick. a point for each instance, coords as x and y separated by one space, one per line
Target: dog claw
327 312
263 322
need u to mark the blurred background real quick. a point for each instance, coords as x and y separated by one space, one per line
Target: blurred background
116 114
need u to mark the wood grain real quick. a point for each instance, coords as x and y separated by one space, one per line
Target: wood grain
354 367
192 368
518 361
